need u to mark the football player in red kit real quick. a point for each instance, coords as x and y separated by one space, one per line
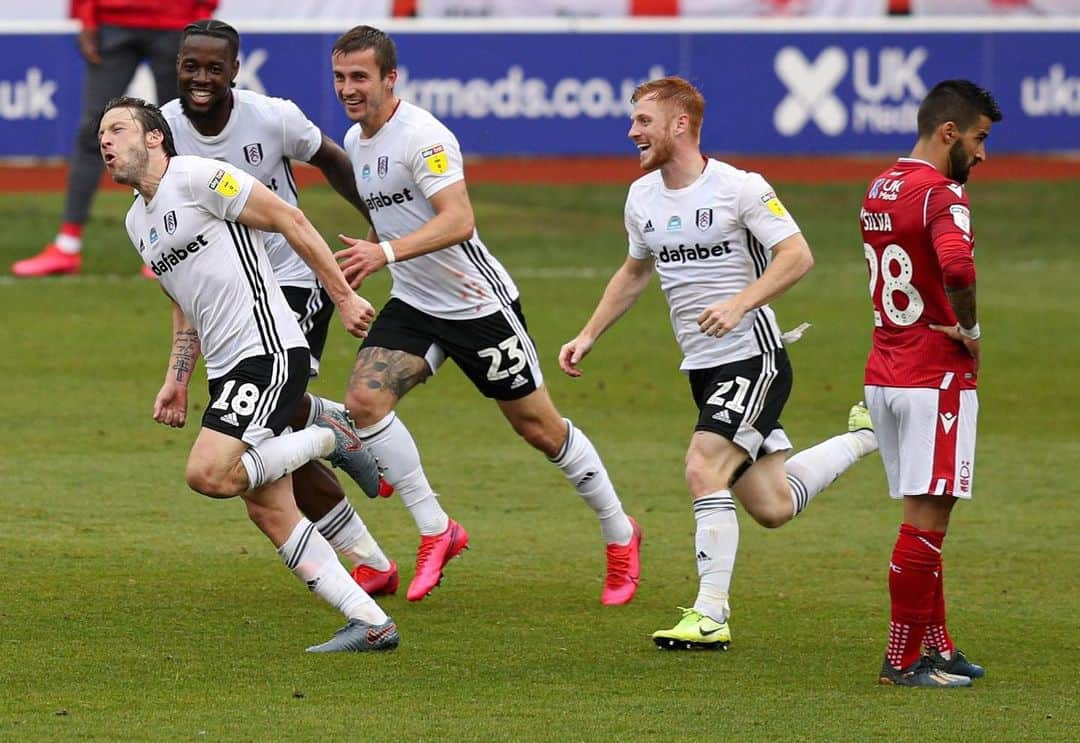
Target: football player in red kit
923 365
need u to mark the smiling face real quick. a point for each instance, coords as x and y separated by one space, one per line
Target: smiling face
367 96
123 145
205 70
969 149
652 130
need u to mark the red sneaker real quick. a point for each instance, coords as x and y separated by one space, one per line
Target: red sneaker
623 570
148 273
432 557
49 262
377 582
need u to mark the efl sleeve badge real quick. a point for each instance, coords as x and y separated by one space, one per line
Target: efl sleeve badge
224 184
773 204
436 160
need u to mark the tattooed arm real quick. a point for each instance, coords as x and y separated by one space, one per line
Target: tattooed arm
170 406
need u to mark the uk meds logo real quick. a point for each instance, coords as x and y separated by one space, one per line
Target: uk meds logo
886 99
29 98
1054 94
811 87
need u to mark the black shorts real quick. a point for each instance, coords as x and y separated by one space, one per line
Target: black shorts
742 401
257 399
313 310
495 351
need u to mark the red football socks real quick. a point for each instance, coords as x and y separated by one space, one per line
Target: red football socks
914 586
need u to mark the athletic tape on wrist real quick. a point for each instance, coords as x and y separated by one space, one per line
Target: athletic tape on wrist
972 333
388 251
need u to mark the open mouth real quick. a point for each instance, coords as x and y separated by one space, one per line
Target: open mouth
200 97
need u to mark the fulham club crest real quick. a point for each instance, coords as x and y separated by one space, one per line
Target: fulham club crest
253 153
170 222
383 166
704 219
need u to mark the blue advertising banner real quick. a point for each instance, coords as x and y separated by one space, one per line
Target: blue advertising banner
567 93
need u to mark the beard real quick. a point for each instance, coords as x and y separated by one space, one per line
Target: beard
136 167
198 115
959 163
658 154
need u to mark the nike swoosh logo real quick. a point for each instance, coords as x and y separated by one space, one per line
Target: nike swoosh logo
705 633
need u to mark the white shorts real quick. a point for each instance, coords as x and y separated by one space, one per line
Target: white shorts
926 438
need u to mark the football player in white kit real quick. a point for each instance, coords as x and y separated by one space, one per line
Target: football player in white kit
708 229
450 298
261 136
198 224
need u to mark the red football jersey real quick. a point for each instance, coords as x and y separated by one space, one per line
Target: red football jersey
909 211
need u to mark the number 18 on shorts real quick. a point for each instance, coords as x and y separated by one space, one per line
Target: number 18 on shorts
257 398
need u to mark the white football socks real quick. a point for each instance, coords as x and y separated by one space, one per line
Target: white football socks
394 447
581 465
812 470
716 541
312 560
346 532
274 458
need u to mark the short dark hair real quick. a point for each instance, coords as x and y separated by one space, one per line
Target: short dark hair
149 117
215 28
359 38
958 101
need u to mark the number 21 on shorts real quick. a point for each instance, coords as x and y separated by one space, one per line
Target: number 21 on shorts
737 402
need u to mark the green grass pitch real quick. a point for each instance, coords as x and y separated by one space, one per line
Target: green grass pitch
132 608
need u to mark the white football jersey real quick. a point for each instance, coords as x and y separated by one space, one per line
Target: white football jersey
215 268
710 240
262 135
410 159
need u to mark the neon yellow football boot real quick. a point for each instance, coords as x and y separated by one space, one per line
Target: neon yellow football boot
858 418
695 631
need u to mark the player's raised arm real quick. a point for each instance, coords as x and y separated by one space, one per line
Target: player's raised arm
620 294
265 211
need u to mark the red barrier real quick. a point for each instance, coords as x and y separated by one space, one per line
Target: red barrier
561 171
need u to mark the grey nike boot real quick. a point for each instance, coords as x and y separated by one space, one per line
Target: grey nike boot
920 673
359 637
349 452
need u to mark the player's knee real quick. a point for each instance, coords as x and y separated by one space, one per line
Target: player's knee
207 481
365 407
699 474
